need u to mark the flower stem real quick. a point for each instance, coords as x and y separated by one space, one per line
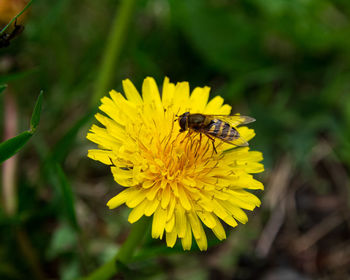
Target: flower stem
12 20
110 268
113 49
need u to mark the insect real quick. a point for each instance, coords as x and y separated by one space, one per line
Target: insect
7 37
222 127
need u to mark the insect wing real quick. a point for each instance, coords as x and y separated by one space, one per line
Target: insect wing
240 142
234 120
231 136
237 141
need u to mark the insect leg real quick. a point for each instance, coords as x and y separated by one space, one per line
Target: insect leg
187 135
212 141
214 147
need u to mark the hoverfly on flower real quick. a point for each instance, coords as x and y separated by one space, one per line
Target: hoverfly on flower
215 126
184 183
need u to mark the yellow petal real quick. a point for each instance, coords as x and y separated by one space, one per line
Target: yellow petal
101 155
246 133
152 192
244 199
165 197
151 207
230 221
218 209
159 221
202 241
151 95
111 109
171 207
131 92
118 108
119 199
136 199
180 221
224 110
137 212
182 100
171 238
147 184
167 93
195 224
214 105
184 199
220 195
219 230
205 201
207 218
100 136
199 99
247 181
236 212
170 224
123 177
187 239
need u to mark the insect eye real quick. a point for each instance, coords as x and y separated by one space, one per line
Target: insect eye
182 122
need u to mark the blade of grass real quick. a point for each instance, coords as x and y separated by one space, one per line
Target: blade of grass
10 147
12 20
113 48
13 145
36 113
67 196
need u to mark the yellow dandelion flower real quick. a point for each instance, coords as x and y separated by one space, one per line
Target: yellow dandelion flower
179 179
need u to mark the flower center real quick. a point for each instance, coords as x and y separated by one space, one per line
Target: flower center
178 157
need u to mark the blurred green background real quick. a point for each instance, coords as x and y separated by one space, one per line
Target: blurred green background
284 62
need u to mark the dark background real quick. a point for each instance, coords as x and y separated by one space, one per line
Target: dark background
286 63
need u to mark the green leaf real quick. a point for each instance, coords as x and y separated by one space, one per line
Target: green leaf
10 147
36 113
67 196
2 88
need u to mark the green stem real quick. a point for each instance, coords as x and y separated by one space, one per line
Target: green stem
113 49
110 268
12 20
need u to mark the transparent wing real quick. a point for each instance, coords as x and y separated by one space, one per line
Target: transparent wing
239 141
234 120
236 141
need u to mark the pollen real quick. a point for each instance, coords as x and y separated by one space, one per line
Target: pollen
177 178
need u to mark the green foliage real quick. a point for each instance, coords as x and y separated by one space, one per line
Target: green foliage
67 196
286 63
2 88
12 146
34 121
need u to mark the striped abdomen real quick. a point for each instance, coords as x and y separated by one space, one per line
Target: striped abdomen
222 130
